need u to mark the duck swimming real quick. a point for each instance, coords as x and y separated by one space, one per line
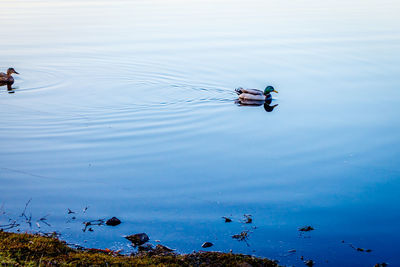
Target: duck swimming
6 77
255 94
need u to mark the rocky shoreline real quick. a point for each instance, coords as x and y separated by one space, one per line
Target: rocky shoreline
24 249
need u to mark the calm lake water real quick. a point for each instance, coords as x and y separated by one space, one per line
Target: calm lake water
128 107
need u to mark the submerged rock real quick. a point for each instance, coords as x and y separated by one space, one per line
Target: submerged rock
306 229
113 221
309 263
207 245
227 220
138 239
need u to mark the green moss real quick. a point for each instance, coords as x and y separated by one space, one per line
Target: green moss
36 250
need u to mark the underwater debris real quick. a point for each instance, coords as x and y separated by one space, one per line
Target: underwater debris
244 235
28 220
43 220
248 218
363 249
70 211
98 222
383 264
207 245
26 206
358 248
138 239
11 225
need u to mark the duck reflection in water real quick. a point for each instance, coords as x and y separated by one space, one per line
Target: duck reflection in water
255 97
10 89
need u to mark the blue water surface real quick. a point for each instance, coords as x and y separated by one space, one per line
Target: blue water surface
128 108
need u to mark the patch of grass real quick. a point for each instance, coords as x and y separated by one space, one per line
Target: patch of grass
36 250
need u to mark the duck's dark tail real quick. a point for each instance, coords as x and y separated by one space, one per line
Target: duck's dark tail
238 90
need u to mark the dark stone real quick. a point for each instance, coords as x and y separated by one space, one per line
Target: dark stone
306 229
227 220
138 239
309 263
207 245
113 221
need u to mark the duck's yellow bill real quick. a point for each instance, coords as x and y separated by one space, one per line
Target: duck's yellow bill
275 91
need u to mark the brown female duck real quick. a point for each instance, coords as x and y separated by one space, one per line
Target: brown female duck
6 77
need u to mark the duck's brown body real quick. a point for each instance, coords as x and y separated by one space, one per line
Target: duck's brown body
6 77
251 94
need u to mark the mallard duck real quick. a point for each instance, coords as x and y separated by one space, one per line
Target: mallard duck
6 77
255 94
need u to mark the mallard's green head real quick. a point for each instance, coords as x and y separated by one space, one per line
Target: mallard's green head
269 89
